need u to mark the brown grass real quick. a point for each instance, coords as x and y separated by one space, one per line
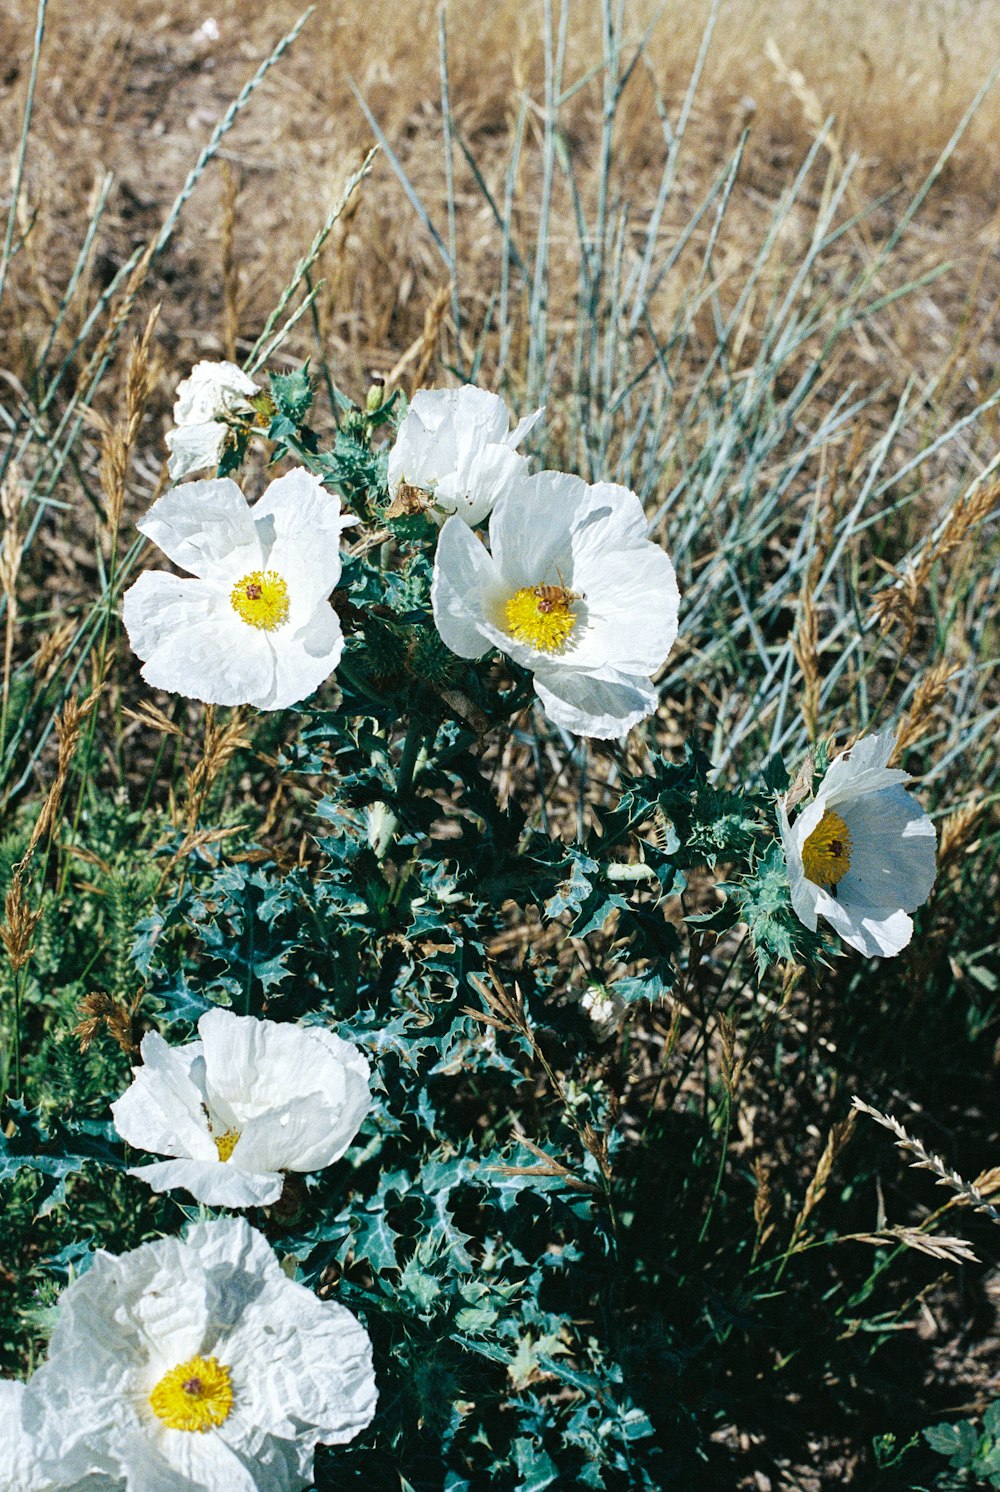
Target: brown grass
135 89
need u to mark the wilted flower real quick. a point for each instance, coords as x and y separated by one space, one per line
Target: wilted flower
199 1364
248 1101
205 402
572 589
255 626
455 445
862 854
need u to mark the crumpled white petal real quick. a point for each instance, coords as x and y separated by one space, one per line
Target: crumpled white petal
195 447
455 444
300 1369
284 1097
211 389
586 705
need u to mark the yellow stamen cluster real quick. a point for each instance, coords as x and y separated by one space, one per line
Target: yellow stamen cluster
542 616
261 599
195 1396
826 854
226 1144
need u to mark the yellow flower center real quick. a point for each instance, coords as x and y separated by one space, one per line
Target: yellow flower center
226 1144
826 854
196 1395
261 599
542 616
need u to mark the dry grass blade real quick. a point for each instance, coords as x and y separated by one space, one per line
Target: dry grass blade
153 718
966 1192
119 440
13 496
422 351
957 834
222 741
952 1250
837 1140
919 718
506 1012
898 604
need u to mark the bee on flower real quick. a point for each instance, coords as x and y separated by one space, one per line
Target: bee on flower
862 853
210 403
254 625
455 446
196 1363
572 589
245 1103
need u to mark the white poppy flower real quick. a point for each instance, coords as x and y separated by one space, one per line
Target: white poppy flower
248 1101
198 1364
862 854
204 400
254 627
455 445
572 589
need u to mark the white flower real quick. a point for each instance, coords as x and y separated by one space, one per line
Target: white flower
198 1364
213 392
254 627
571 588
862 854
249 1101
455 445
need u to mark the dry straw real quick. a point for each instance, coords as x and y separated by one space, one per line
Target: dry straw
898 605
966 1192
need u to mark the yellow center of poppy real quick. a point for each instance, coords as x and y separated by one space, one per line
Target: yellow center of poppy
542 616
226 1144
261 599
196 1395
826 854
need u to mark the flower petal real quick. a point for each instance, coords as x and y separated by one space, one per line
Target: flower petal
805 894
210 389
303 660
473 490
206 528
464 577
259 1069
217 1183
531 529
162 1111
523 428
862 769
893 845
195 448
602 707
299 524
877 932
630 609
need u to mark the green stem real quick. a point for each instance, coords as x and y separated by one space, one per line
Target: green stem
412 762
